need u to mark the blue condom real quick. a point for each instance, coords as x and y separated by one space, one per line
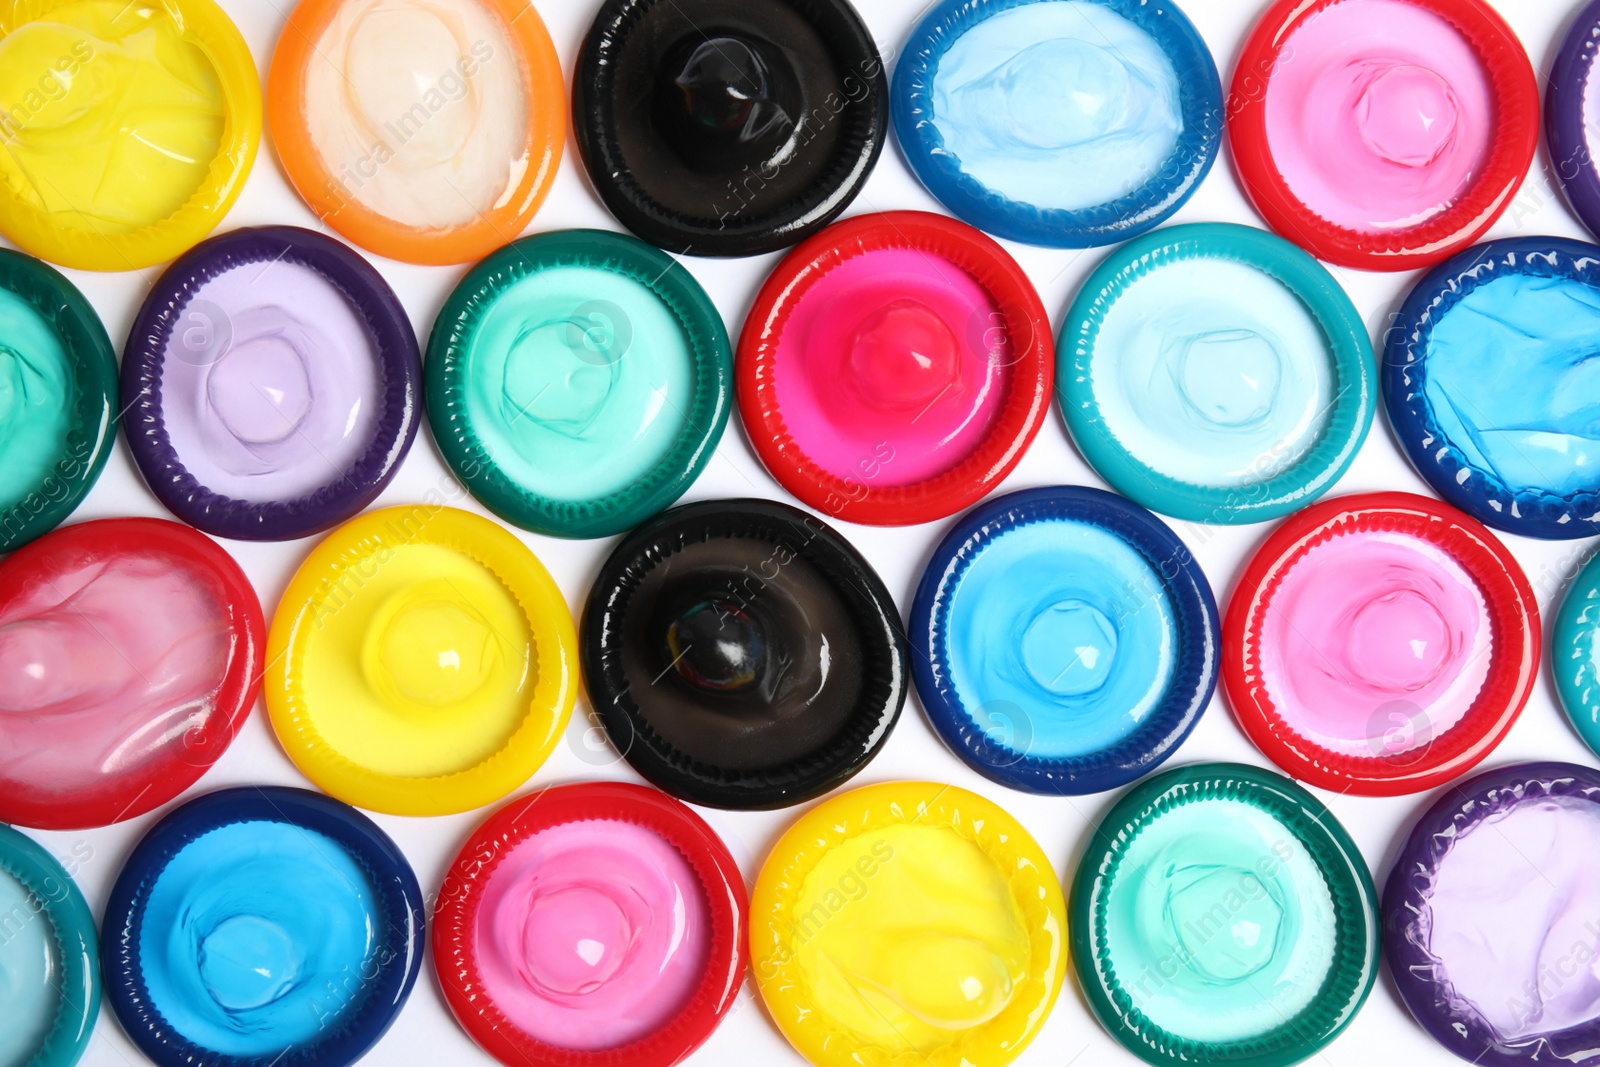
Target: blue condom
1066 123
1067 638
262 925
1492 383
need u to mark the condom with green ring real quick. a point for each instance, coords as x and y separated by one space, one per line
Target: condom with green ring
1221 915
50 965
578 381
58 375
1216 373
1575 653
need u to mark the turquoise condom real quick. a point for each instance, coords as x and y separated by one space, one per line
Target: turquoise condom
49 958
58 375
1221 915
578 381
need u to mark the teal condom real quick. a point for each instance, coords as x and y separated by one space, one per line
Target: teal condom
49 958
1216 373
1575 653
578 381
1221 915
58 375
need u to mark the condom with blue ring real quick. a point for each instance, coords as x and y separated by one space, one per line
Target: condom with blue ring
1051 180
1068 640
1216 373
1485 373
1575 653
49 966
258 925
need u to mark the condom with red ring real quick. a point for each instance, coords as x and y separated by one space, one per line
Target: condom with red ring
468 980
271 384
894 368
1508 118
1392 581
92 613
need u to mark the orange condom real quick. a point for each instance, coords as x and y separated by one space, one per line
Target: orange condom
427 131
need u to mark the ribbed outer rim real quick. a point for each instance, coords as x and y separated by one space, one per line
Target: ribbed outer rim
1564 117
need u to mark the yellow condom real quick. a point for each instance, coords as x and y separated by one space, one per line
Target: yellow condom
422 662
911 920
127 127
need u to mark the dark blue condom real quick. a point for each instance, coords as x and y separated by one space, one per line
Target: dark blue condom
1068 640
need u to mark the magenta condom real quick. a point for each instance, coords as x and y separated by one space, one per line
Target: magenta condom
1380 644
271 384
599 923
1382 134
130 654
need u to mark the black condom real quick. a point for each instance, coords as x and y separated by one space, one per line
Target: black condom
741 654
729 127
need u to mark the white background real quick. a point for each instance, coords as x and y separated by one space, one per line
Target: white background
425 1031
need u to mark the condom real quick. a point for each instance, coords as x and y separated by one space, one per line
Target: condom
421 662
128 129
578 382
1215 373
1574 645
49 958
1380 644
1382 134
1220 914
130 656
1067 123
58 377
262 923
1488 916
1485 373
894 368
1066 640
728 127
270 384
427 131
905 922
741 654
591 924
1571 110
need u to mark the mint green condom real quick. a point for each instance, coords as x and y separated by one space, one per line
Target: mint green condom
1221 915
578 381
58 375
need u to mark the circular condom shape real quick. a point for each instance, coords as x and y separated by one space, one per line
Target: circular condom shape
1216 373
129 130
1380 644
578 382
132 656
934 898
422 662
427 131
742 654
50 963
1485 374
1575 653
1382 134
262 925
1066 640
58 381
729 127
1571 110
1070 125
270 384
1488 912
1248 898
894 369
592 924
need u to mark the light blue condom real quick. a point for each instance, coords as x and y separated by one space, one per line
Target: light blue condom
1492 382
1067 123
1215 373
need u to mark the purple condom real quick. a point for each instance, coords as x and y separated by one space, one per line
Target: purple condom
1492 917
1572 116
270 384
